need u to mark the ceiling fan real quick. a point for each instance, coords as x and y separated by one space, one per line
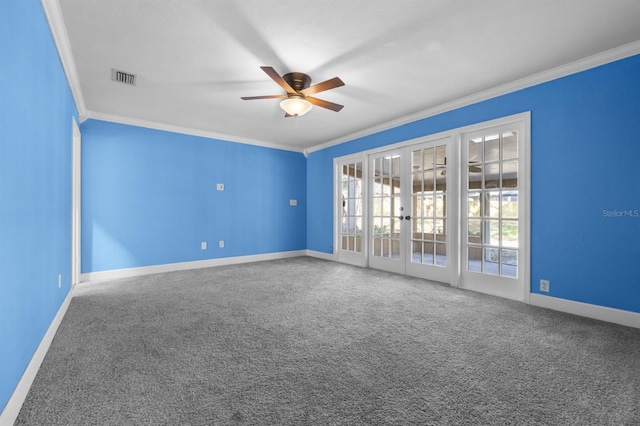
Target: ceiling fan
297 101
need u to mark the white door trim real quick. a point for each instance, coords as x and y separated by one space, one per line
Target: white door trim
76 202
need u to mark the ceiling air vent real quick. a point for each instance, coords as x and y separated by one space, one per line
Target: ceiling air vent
123 77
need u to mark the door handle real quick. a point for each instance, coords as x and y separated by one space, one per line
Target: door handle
407 217
400 217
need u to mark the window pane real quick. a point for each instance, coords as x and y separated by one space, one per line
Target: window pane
416 160
510 204
377 167
427 178
491 175
428 205
428 257
510 233
491 260
492 204
474 231
395 165
492 236
395 248
509 263
474 205
416 183
510 174
475 177
509 145
492 148
441 255
417 206
416 252
441 156
474 259
475 147
440 205
427 156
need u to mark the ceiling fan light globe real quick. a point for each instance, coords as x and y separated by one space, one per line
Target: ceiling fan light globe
296 106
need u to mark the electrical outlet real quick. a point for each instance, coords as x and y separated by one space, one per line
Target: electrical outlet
59 280
544 285
221 244
220 187
203 245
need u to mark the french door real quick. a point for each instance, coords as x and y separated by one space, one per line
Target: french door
453 209
409 206
494 225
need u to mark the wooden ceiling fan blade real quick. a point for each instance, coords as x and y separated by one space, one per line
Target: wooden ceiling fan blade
321 87
251 98
325 104
278 79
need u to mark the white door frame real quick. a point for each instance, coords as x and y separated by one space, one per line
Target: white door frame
352 258
486 283
456 191
76 183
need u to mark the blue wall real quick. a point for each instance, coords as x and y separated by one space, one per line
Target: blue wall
584 155
36 107
149 198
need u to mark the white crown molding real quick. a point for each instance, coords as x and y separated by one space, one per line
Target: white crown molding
612 55
182 130
58 29
55 19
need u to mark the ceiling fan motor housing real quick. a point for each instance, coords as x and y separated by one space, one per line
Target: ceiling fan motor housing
297 80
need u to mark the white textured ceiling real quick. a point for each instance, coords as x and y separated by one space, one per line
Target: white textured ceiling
195 59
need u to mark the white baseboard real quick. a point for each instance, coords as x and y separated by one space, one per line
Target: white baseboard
12 409
183 266
603 313
320 255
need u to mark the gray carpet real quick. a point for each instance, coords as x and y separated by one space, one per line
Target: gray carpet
304 341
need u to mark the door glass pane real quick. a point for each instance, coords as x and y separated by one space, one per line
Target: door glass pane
429 209
509 145
440 205
492 204
427 162
491 261
510 174
509 263
510 233
491 175
416 251
475 231
386 207
475 151
491 148
510 204
441 254
352 206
